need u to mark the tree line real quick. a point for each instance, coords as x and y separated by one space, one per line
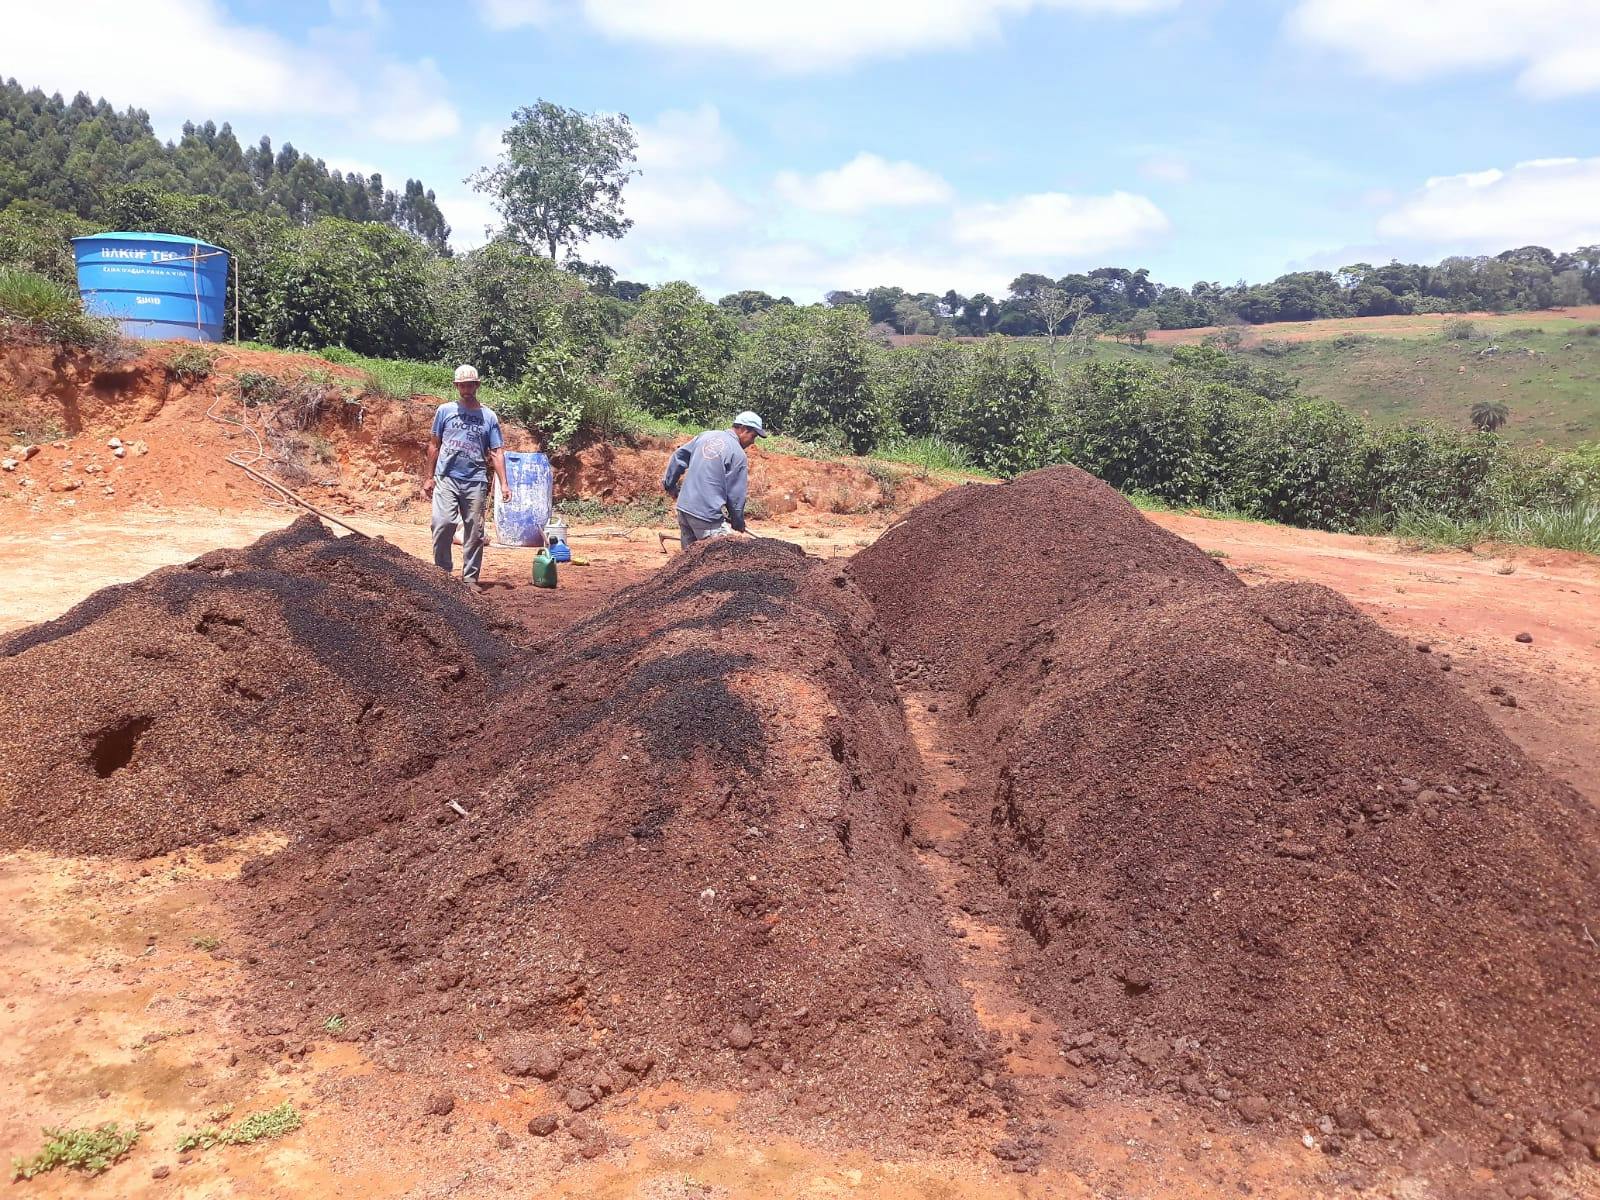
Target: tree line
71 156
1122 300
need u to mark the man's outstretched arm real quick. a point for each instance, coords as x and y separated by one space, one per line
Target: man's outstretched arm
676 466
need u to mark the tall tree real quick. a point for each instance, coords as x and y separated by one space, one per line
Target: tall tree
1057 310
560 178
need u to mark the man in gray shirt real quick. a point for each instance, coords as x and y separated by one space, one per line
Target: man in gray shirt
709 475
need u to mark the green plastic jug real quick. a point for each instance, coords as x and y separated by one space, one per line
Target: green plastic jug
544 570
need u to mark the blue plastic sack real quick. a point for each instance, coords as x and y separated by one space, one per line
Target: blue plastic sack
521 513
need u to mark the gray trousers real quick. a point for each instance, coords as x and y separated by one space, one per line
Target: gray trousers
454 501
693 529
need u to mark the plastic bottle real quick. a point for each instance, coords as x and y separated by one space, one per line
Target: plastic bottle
544 570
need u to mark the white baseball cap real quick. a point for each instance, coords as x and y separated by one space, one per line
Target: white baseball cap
750 421
466 373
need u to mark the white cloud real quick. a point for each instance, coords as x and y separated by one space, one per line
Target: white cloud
696 203
487 145
1553 202
1554 44
409 103
975 248
866 181
823 33
124 53
470 215
1054 225
368 12
510 14
684 139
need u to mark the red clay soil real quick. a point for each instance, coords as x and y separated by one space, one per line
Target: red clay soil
683 856
1259 852
356 453
254 686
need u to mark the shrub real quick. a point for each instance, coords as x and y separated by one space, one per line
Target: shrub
193 364
1229 339
501 306
556 394
1003 410
1274 348
38 240
806 371
257 389
916 385
368 287
1458 329
675 354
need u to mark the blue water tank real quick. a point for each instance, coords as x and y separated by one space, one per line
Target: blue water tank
154 285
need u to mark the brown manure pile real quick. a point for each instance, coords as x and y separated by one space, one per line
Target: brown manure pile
964 585
678 853
1260 852
249 686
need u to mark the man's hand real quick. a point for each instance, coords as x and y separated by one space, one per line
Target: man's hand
427 488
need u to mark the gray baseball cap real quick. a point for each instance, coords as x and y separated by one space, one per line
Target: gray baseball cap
751 421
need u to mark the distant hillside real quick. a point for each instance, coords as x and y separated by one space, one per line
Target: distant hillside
1544 365
70 156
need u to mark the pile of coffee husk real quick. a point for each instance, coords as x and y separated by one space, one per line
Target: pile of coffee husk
679 853
249 688
1260 853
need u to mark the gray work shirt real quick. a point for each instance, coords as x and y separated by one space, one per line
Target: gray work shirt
708 474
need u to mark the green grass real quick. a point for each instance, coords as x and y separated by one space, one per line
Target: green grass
1146 502
1550 379
1571 527
36 309
635 514
270 1123
929 455
91 1151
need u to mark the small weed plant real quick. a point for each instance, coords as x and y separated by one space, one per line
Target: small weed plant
257 1127
91 1151
257 389
193 364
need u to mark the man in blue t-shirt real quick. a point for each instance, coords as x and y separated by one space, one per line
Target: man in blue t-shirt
465 445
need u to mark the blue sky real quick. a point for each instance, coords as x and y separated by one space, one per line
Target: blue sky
946 143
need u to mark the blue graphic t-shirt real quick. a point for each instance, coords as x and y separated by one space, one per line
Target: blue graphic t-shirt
466 435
